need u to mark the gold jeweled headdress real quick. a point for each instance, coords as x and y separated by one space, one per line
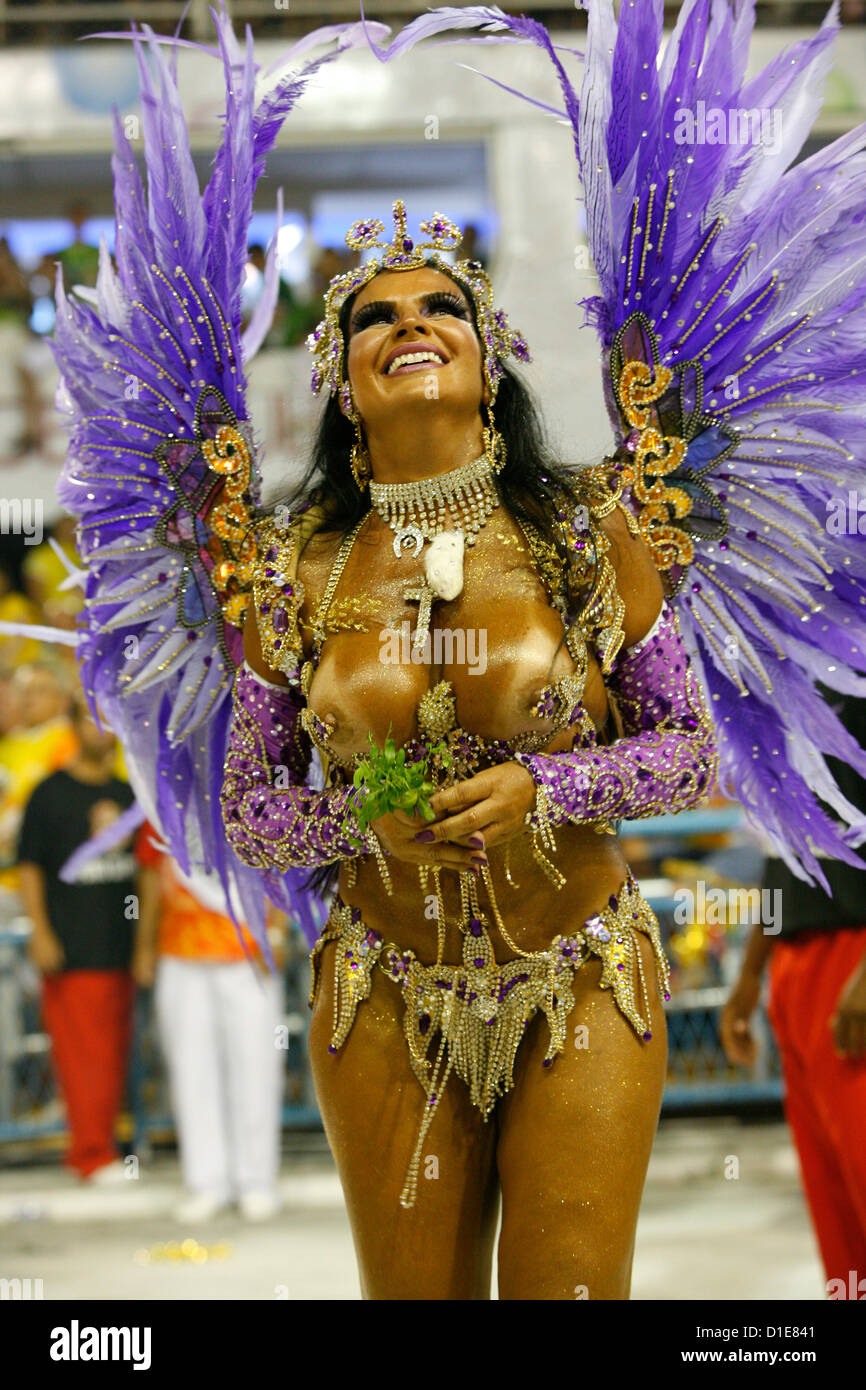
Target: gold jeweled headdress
498 339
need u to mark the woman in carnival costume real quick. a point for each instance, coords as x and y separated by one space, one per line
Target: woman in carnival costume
294 693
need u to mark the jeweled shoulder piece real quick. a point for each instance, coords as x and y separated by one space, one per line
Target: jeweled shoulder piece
670 443
210 519
279 596
439 238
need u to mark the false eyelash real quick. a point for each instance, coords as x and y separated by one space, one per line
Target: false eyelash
444 300
381 310
371 313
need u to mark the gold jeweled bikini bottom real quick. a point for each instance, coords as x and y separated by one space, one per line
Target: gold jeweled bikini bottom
480 1009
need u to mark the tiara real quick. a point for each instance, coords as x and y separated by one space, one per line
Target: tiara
403 252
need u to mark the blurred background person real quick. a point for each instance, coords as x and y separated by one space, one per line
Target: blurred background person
42 740
294 315
16 607
43 572
218 1012
817 1009
15 300
82 938
79 258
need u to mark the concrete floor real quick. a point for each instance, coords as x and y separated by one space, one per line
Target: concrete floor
702 1234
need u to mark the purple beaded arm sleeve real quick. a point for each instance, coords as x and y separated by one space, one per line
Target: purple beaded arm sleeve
666 761
272 820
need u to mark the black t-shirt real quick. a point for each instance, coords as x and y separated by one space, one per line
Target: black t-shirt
91 916
808 908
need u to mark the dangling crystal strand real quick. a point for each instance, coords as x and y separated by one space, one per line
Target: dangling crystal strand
468 493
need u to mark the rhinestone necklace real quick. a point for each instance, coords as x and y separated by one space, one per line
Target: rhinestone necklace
416 511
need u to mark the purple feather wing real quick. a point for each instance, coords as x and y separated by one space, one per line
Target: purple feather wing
161 470
743 275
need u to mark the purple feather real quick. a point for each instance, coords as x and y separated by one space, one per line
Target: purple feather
107 840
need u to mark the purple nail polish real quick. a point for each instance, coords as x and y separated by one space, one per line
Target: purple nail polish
477 841
425 836
479 859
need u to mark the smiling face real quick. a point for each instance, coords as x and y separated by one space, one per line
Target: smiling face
412 344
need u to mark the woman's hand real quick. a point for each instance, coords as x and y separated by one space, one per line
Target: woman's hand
490 807
398 836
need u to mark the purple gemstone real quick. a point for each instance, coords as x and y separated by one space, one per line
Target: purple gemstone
423 1023
408 243
280 620
475 927
647 1036
331 1048
479 961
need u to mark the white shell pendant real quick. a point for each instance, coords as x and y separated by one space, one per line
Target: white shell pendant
443 564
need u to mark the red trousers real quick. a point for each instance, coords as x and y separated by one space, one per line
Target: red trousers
88 1015
825 1099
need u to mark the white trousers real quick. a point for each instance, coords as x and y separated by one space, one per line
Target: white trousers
218 1029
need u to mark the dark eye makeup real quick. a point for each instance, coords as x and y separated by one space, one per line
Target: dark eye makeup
382 310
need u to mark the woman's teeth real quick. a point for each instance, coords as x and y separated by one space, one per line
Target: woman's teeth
412 359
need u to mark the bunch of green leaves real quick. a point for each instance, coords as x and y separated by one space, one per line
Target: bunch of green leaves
385 782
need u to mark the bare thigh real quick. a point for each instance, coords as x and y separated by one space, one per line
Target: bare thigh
372 1105
574 1145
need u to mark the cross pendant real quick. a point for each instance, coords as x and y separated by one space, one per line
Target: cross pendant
423 595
